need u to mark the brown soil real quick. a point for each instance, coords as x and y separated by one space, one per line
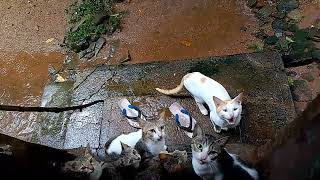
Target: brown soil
170 30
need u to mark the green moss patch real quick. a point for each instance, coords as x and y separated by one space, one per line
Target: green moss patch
88 20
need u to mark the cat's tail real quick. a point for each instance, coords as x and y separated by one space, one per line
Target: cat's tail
175 90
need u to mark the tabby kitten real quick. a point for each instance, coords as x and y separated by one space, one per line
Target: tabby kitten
149 141
211 161
153 138
84 166
123 166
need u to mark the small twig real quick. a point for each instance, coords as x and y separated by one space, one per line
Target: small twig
128 58
115 15
46 109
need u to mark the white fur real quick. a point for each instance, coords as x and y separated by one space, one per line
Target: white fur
253 173
155 147
130 139
204 92
157 144
209 170
206 171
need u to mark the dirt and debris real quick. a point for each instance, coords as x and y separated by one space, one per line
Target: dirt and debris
282 32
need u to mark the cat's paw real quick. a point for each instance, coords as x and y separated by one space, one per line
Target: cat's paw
204 111
217 129
225 128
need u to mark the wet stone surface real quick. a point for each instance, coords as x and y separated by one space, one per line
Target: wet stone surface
51 127
267 105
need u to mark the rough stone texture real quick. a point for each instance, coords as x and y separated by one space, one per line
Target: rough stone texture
267 104
301 91
51 128
85 126
305 84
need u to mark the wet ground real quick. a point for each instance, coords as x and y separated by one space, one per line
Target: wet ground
268 105
171 30
152 31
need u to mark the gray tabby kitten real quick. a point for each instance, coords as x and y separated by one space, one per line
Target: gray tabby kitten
84 166
211 161
123 166
153 138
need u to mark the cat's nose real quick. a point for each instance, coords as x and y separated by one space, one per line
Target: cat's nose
160 138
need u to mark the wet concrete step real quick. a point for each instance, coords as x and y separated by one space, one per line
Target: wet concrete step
267 105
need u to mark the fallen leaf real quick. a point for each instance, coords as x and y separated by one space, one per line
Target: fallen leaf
49 40
59 78
186 43
289 39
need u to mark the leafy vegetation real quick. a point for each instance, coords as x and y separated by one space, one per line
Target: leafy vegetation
295 44
88 20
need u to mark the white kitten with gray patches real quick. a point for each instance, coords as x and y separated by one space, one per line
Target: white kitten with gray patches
224 112
150 139
153 138
211 161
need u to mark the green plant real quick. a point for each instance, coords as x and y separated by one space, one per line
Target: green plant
88 20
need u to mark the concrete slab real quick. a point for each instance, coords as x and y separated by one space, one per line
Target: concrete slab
84 127
51 127
267 107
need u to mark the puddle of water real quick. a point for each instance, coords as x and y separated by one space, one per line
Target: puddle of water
23 77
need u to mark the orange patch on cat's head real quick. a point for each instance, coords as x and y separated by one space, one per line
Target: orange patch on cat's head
219 103
203 79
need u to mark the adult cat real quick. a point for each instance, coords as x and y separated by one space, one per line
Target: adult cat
224 112
210 160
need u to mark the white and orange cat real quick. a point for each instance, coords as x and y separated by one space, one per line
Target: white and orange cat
224 112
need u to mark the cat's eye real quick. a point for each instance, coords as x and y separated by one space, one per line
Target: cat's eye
162 127
225 110
212 152
152 130
199 146
235 109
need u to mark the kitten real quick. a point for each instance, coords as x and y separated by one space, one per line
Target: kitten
114 167
149 141
224 112
211 161
123 166
153 138
84 166
166 166
113 146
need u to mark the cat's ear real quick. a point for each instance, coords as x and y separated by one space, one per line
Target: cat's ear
163 156
238 99
88 150
124 146
197 131
222 141
162 116
218 102
142 123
